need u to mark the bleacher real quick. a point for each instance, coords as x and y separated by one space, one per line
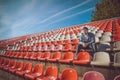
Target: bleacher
51 55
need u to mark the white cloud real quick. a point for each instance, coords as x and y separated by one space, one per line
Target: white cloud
66 10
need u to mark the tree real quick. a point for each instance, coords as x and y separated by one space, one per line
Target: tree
106 9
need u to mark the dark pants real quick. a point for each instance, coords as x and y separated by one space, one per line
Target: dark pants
90 46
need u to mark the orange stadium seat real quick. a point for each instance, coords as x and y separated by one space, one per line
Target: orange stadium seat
37 71
45 56
69 74
27 68
68 57
50 74
82 58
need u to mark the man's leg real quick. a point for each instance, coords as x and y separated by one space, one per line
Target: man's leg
93 47
78 48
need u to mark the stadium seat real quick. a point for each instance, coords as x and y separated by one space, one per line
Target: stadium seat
101 59
58 47
93 75
117 77
50 74
26 55
68 57
45 56
27 68
69 74
31 56
56 56
8 63
116 60
75 41
82 58
12 65
67 47
38 55
18 67
37 71
67 41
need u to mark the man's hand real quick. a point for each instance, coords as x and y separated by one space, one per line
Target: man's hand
85 45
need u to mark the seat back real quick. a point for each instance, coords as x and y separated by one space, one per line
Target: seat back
68 46
117 58
52 71
38 68
39 54
68 55
69 74
28 66
20 64
56 55
101 57
93 75
117 77
46 55
83 56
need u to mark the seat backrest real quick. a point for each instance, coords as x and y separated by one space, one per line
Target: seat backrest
69 74
8 62
28 66
117 77
68 46
13 63
68 55
20 64
93 75
117 58
56 55
46 55
101 57
52 71
38 68
83 56
39 54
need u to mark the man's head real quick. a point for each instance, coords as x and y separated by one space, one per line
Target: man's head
85 29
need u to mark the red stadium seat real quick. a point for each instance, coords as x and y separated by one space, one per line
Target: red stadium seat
45 56
75 41
56 56
67 47
60 42
58 47
27 68
93 75
37 71
8 63
68 57
117 77
67 42
69 74
38 55
18 67
82 58
26 55
50 74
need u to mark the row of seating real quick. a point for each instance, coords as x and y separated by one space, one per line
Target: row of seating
99 58
51 73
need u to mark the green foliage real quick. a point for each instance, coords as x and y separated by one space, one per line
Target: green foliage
106 9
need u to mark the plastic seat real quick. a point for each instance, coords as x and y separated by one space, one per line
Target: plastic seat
26 55
13 65
75 41
61 42
3 62
69 74
44 47
74 47
116 60
6 66
117 77
16 55
82 58
93 75
50 74
38 55
18 67
37 71
56 56
58 47
68 57
27 68
31 56
51 47
101 59
67 41
67 47
45 56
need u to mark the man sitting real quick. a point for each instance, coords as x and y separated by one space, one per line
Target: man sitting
87 40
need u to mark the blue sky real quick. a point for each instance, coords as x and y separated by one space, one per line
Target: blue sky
22 17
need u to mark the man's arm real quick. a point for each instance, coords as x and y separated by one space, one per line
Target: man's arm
92 38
